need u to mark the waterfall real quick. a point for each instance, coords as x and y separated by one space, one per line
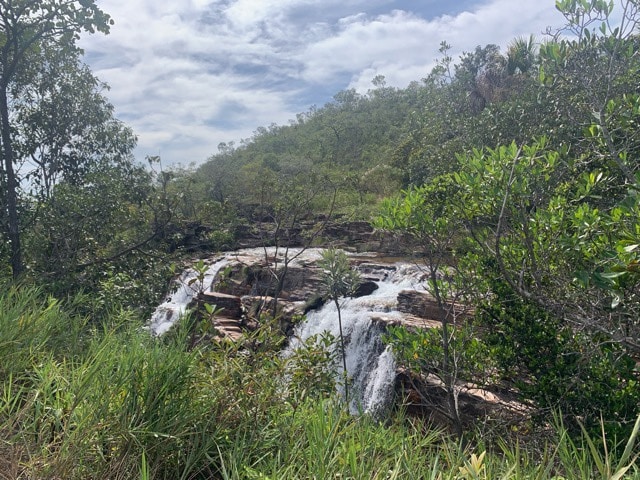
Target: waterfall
187 285
184 289
371 367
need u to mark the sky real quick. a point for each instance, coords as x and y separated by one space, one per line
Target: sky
188 75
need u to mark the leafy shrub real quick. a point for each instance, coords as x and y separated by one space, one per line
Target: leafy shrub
559 368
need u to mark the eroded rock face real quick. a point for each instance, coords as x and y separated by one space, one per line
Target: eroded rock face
420 304
426 397
423 305
259 279
339 232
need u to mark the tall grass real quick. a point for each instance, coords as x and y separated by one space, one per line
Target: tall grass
87 403
82 402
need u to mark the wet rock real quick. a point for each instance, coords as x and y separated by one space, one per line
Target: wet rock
365 288
314 303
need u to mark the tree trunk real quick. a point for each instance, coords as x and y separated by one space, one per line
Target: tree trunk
279 285
448 371
344 357
12 186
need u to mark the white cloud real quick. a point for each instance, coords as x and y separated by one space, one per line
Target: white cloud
398 38
189 74
403 46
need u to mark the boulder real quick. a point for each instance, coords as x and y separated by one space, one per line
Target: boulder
420 304
423 305
314 303
366 287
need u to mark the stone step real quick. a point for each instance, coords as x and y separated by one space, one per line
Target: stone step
234 336
226 330
228 327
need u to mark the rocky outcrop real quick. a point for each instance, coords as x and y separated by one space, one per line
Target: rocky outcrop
254 306
360 236
356 235
425 396
419 304
246 287
423 305
260 279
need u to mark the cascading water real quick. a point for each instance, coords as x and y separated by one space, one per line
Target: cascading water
371 368
186 287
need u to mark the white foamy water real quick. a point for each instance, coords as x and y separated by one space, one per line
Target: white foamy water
371 367
184 289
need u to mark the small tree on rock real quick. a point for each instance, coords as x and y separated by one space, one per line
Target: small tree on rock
339 280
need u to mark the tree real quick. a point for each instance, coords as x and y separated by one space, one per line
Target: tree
559 265
593 74
295 203
339 280
64 127
482 75
25 27
427 215
99 236
521 55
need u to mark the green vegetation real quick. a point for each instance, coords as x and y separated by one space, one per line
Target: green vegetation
112 402
339 280
513 176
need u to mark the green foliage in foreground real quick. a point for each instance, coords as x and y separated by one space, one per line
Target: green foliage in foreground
77 402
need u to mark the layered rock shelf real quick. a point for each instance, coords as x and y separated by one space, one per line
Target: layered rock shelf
423 305
247 285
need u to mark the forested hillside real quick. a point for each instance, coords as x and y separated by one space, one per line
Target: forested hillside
511 174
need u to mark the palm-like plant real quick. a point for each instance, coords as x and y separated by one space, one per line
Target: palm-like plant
521 55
